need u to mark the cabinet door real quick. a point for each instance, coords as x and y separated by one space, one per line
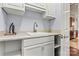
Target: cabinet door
14 8
14 5
2 49
48 49
50 9
32 51
38 5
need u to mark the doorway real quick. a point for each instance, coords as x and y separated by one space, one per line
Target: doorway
74 30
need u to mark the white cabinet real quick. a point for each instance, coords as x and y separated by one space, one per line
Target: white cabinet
0 4
13 48
39 5
2 49
50 11
44 47
36 7
10 48
33 51
14 8
48 49
39 40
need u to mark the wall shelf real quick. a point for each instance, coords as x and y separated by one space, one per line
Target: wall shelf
57 45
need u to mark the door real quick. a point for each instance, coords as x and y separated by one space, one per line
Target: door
48 49
33 51
78 26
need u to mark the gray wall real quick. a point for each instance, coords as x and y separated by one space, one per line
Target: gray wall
3 19
25 22
57 24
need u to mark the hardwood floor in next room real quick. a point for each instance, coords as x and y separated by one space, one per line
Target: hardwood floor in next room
74 47
74 51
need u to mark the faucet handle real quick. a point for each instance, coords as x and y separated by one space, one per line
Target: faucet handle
34 27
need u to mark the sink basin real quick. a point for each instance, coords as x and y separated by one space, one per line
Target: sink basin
37 33
28 34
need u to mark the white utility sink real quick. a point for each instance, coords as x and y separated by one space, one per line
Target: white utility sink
38 33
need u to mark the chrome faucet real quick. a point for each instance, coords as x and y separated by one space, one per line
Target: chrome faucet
34 27
11 29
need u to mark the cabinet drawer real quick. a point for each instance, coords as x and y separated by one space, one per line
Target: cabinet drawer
45 49
34 41
32 51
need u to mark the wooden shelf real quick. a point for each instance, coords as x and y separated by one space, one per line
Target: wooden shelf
57 46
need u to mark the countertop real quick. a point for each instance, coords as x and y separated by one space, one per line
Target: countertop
25 35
